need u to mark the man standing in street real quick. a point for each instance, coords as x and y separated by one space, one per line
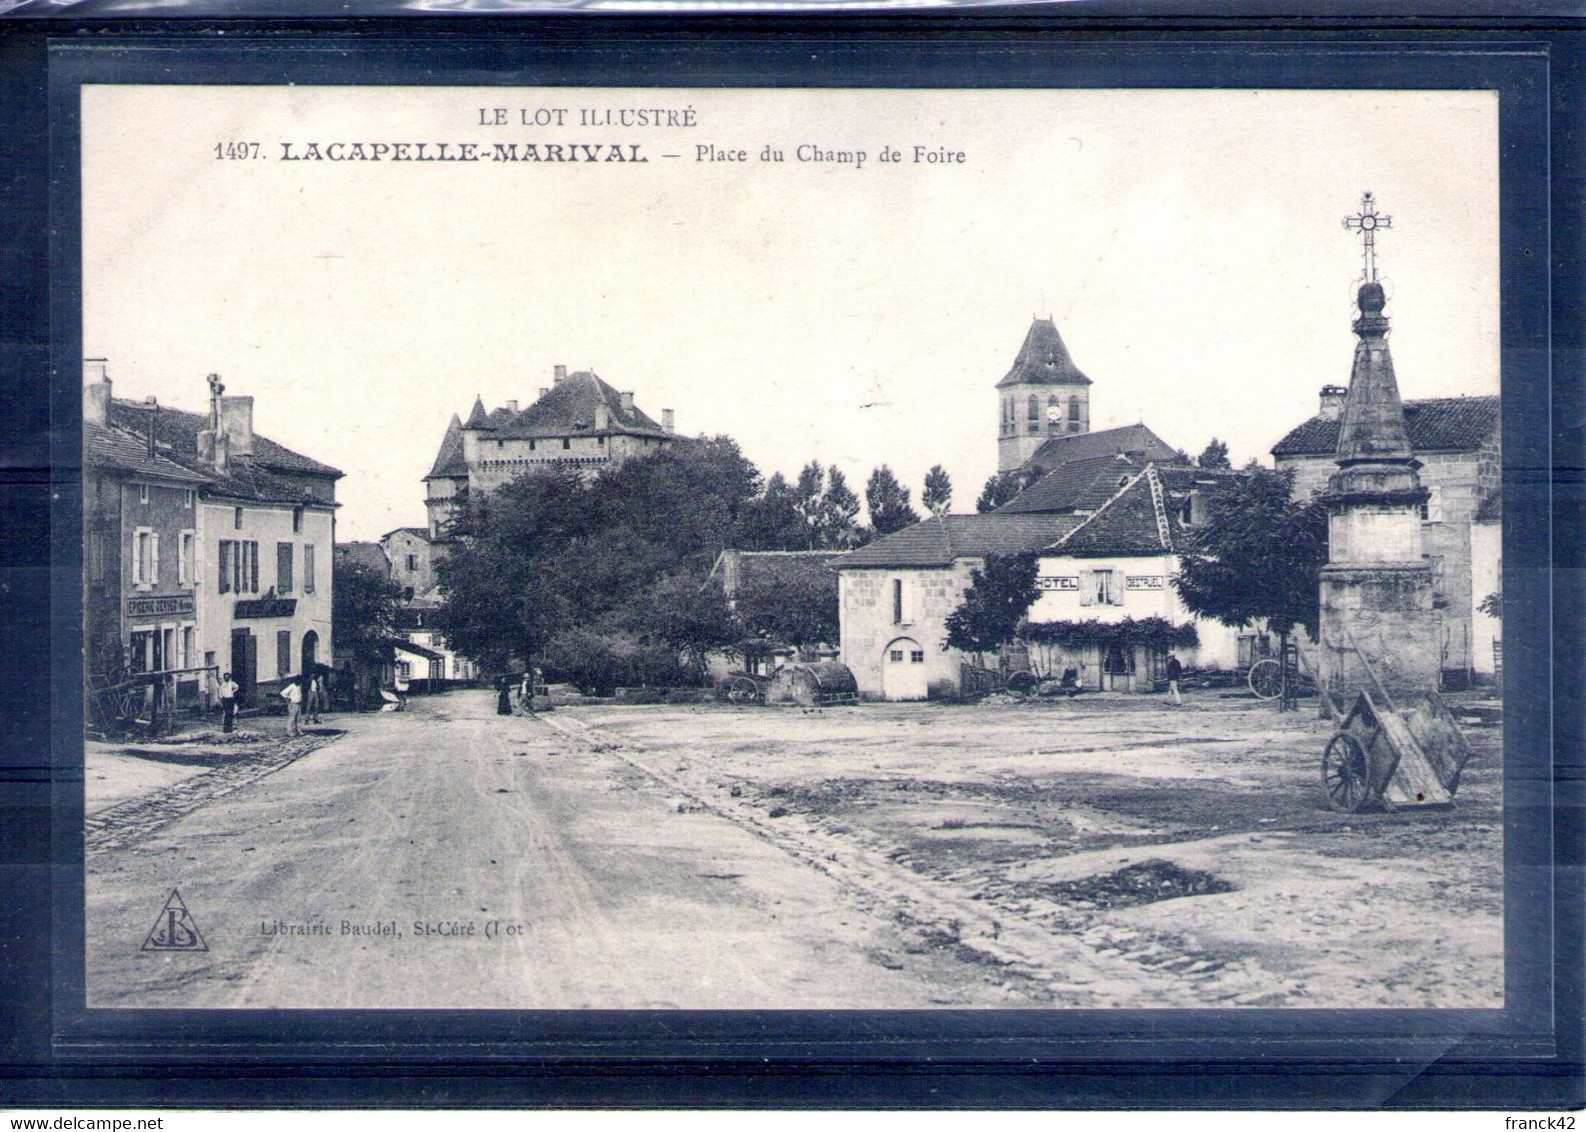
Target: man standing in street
292 693
228 703
1174 671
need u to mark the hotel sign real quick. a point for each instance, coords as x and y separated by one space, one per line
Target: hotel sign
1057 583
157 605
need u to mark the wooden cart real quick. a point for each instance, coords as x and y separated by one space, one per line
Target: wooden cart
1384 757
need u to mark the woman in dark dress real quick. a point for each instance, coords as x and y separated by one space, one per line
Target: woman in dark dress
503 696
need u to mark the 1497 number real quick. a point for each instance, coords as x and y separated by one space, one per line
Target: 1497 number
236 151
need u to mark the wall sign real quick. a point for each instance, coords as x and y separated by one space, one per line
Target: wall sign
1144 582
154 606
1057 583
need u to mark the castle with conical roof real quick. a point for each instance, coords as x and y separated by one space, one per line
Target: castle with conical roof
579 422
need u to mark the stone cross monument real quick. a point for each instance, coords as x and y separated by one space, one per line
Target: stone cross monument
1376 589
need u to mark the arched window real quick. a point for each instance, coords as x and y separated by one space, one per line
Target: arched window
1035 407
1054 412
1073 408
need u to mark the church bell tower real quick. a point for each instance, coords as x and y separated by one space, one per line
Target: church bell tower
1376 589
1042 396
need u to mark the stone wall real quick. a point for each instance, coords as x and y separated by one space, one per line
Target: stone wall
869 627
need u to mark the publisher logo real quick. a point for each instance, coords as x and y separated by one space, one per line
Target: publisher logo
175 930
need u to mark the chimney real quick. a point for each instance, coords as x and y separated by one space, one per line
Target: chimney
214 450
561 374
1333 397
153 408
236 425
543 391
96 392
512 407
602 416
666 420
627 402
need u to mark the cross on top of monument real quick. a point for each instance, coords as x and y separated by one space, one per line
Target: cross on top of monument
1368 221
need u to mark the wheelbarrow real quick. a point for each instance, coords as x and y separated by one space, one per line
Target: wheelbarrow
1385 758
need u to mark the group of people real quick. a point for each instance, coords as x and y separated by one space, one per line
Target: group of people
307 696
524 686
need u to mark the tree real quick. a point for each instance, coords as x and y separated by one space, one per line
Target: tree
772 521
888 502
997 599
797 603
1259 555
1004 486
807 501
839 507
691 619
938 494
364 606
1215 455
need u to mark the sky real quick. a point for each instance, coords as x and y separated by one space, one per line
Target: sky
1188 244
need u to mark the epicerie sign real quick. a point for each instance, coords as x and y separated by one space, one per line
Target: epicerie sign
153 606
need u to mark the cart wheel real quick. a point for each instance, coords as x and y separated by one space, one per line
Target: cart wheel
1266 679
744 691
1346 773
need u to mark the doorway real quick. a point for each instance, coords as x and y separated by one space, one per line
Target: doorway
903 671
310 652
244 663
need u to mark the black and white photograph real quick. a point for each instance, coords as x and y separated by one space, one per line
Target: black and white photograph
791 549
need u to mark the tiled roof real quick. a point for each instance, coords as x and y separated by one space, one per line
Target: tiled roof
176 430
1439 424
1081 485
1043 359
1135 439
939 540
567 409
111 448
736 568
449 461
1132 523
365 554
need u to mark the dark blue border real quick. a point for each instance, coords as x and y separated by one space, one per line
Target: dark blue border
1527 1055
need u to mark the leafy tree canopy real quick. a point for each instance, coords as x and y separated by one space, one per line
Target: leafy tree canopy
997 599
1215 455
839 507
795 605
1258 556
938 494
888 501
364 606
1004 486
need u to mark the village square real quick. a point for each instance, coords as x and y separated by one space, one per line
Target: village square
626 723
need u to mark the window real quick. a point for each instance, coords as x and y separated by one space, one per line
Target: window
566 444
145 558
917 656
188 497
236 518
1432 509
308 568
1105 594
141 652
283 567
1073 409
283 652
224 567
413 562
897 656
143 493
186 657
186 574
897 603
531 446
297 520
600 441
238 567
404 669
166 654
501 444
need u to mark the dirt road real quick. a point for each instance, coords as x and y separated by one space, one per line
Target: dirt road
885 856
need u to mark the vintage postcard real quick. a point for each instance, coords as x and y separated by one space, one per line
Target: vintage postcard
765 549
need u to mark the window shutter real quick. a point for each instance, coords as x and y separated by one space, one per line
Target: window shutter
223 567
1087 587
154 561
253 567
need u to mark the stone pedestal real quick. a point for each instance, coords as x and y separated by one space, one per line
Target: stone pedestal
1386 610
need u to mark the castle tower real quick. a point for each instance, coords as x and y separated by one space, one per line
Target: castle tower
1376 589
1043 395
